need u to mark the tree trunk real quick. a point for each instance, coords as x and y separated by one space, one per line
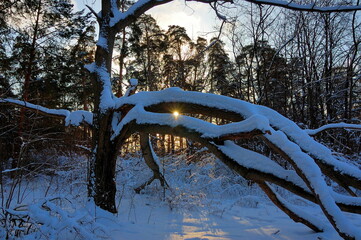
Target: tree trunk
102 186
103 168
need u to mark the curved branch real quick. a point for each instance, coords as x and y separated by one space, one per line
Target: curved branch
274 173
356 127
93 12
252 172
151 160
253 126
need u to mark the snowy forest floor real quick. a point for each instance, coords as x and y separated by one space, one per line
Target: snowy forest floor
205 201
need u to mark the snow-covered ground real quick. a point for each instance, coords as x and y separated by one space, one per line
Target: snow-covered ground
205 201
143 220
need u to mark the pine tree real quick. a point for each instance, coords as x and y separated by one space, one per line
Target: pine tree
199 65
45 30
148 45
219 66
180 49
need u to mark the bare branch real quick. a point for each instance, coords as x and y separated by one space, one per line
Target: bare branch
307 8
93 12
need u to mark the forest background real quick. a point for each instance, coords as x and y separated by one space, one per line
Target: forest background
304 65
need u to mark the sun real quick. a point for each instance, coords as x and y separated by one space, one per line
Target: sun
175 114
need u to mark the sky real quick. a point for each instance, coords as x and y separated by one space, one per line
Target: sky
198 18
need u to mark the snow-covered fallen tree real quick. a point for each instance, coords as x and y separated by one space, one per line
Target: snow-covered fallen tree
313 163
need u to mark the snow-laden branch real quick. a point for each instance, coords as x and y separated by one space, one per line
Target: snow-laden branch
74 118
250 164
211 132
307 7
256 124
133 83
175 99
123 19
151 112
276 174
312 175
342 125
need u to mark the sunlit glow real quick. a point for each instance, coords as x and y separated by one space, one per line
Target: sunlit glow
175 114
193 228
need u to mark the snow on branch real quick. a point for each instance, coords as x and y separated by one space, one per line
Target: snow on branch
122 19
312 175
307 7
210 132
74 118
256 124
253 160
133 83
249 164
273 172
310 153
356 127
223 107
